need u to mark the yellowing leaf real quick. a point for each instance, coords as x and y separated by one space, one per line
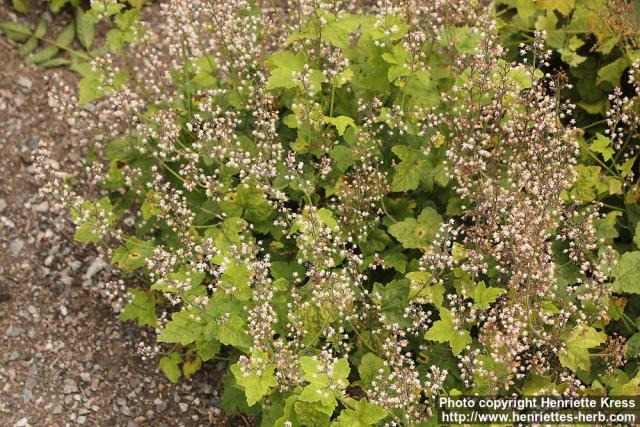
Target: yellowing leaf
562 6
575 355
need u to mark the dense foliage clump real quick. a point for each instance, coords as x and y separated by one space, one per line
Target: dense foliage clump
365 206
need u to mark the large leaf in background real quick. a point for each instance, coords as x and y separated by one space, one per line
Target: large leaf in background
418 232
627 273
575 355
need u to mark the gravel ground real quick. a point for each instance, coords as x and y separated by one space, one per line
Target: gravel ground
65 359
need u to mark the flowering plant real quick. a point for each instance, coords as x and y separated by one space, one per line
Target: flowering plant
360 207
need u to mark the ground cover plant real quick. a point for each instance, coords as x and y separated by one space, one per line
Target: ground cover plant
361 207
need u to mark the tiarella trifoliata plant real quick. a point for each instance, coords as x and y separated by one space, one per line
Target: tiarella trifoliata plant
360 206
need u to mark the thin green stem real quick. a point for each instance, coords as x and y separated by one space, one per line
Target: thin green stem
333 95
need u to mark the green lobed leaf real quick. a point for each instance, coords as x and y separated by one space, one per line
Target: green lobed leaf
627 273
170 365
483 296
256 383
417 232
361 414
602 145
444 330
340 123
575 355
142 308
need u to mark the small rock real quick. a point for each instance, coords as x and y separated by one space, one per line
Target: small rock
183 407
14 355
70 386
27 395
18 99
125 411
85 376
13 331
32 311
24 82
97 265
16 246
160 405
63 310
32 144
81 419
121 401
3 204
57 410
42 207
75 265
22 422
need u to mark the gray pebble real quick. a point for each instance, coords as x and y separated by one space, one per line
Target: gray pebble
57 410
75 265
160 405
32 144
13 331
18 99
14 355
3 204
16 246
25 82
27 394
42 207
95 267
